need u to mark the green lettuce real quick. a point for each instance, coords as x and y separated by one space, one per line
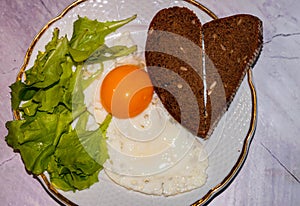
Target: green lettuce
79 170
89 35
51 134
47 68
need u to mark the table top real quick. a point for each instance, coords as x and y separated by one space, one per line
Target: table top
271 173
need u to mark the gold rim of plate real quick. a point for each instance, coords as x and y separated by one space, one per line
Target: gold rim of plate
246 144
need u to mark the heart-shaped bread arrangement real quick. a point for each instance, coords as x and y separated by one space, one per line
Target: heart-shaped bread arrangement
197 69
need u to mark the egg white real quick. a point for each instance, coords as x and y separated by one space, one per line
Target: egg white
188 174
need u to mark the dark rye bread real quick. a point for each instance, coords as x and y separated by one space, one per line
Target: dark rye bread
232 45
174 65
174 62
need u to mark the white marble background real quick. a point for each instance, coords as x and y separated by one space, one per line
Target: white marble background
271 174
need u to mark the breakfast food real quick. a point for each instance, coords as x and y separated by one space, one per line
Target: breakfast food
174 44
139 146
150 152
126 91
186 175
105 116
232 45
188 62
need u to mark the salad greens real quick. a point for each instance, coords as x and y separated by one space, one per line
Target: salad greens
89 35
52 133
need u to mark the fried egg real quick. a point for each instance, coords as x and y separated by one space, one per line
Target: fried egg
149 151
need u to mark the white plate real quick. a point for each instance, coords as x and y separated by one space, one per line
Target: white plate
227 147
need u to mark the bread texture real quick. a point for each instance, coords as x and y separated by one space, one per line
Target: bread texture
178 48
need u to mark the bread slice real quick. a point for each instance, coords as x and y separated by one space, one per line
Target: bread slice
174 62
232 46
175 59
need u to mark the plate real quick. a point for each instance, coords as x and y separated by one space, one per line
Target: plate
228 145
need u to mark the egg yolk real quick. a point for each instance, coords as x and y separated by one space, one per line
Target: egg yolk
126 91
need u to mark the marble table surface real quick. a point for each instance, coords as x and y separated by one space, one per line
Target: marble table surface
271 173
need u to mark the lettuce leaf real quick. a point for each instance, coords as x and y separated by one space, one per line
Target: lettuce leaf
105 53
20 92
34 139
47 68
79 170
89 35
51 134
